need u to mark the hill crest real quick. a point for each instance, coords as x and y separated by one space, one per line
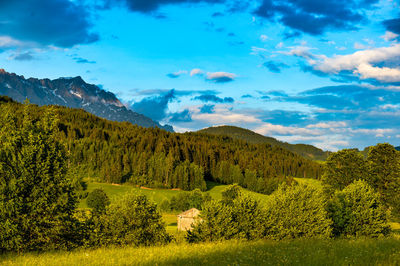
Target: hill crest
305 150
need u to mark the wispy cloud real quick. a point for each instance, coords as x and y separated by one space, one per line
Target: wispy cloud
177 74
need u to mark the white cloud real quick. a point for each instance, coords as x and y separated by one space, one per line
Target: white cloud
196 71
301 51
361 63
257 50
8 42
390 106
389 36
304 52
340 48
360 46
217 77
223 116
180 72
271 129
385 74
332 144
378 132
264 37
328 125
220 77
279 45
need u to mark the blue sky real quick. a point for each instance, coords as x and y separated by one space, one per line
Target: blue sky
325 73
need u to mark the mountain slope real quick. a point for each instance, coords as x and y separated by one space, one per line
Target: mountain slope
307 151
74 93
118 152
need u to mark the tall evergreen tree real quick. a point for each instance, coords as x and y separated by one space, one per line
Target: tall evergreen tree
36 200
384 173
343 168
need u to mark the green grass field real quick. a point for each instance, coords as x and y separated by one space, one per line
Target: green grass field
299 252
158 195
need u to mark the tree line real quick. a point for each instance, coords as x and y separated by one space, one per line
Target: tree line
118 152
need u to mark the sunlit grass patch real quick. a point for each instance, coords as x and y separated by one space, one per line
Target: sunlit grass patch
298 252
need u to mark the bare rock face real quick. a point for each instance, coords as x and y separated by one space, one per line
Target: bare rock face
74 93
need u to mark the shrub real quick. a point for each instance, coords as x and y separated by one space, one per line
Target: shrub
187 200
98 200
297 211
37 201
357 211
237 218
165 206
231 193
132 220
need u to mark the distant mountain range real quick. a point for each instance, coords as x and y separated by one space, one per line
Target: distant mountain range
74 93
305 150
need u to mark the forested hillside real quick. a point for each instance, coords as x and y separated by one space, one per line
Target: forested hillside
307 151
118 152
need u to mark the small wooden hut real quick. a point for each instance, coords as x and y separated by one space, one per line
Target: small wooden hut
187 219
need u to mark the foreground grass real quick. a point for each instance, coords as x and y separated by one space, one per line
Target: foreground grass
299 252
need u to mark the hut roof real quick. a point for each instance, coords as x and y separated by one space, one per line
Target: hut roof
193 212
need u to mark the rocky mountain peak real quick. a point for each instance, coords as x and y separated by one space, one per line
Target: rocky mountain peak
71 92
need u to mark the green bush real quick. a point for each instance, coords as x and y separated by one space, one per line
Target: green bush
186 200
357 211
297 211
98 200
165 206
37 201
132 220
231 193
234 217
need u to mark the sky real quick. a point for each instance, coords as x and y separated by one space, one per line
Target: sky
325 73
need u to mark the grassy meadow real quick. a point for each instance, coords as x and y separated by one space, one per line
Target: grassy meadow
299 252
296 252
158 195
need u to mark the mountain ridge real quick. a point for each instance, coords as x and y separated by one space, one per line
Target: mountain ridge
305 150
72 92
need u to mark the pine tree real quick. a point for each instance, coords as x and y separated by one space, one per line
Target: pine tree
36 200
384 174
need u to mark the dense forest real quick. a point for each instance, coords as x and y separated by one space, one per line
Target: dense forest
118 152
305 150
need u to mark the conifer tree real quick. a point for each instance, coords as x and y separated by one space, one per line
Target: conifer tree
36 200
384 174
